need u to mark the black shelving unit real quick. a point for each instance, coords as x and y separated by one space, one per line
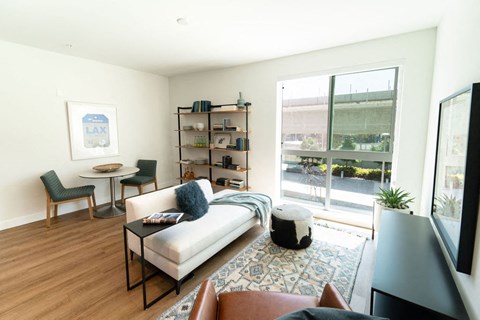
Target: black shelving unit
244 171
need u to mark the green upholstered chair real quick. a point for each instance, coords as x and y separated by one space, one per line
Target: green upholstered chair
146 175
57 194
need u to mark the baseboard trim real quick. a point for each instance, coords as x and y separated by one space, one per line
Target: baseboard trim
19 221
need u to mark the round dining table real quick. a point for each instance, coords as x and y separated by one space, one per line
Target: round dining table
112 210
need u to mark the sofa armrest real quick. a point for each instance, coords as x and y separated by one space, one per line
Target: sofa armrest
205 306
332 298
143 205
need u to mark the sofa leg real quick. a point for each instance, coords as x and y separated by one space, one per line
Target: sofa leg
177 287
178 283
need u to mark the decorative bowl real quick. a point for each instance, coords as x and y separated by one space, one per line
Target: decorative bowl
109 167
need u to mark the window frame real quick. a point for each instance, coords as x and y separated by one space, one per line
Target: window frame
328 155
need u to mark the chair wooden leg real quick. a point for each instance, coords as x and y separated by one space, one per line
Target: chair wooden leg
140 189
47 222
94 201
156 185
90 209
55 210
123 194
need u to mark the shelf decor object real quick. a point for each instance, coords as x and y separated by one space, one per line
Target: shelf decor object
109 167
221 140
457 175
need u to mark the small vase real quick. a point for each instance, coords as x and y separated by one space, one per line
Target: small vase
240 101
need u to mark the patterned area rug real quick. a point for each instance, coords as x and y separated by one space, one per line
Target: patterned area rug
334 256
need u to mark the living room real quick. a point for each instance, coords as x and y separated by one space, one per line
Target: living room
434 62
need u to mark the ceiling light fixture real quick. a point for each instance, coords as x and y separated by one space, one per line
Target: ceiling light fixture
182 21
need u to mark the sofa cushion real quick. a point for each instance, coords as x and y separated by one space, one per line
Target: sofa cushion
184 240
191 200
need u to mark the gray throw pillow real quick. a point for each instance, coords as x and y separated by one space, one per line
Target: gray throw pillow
326 314
191 200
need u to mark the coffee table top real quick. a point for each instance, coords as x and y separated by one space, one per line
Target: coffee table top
143 230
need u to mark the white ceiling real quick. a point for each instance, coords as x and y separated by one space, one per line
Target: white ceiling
144 34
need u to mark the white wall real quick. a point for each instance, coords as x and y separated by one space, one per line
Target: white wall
34 88
457 65
258 83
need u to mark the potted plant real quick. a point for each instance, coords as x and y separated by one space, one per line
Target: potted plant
394 199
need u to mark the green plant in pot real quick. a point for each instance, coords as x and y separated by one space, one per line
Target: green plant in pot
395 198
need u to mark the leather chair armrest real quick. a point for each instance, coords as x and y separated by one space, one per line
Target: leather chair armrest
261 305
332 298
205 306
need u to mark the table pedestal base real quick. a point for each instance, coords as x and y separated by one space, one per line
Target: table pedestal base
112 209
108 212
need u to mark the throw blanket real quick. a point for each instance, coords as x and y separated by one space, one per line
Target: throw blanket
258 202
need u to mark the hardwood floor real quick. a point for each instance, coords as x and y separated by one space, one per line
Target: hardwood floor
76 270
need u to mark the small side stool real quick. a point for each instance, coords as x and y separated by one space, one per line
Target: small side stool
291 226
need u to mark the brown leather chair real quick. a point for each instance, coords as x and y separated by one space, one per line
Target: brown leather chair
244 305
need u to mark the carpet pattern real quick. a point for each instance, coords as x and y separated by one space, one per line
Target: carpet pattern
333 256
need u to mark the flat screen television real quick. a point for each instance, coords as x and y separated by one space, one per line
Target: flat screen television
457 175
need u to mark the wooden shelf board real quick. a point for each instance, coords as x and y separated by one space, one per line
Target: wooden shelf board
192 147
197 113
212 149
232 170
216 185
228 150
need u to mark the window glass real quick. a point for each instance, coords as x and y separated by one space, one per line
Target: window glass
363 106
305 114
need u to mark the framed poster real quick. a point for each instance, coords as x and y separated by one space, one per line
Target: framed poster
93 130
221 140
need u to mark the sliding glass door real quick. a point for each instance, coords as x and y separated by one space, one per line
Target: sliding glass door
337 138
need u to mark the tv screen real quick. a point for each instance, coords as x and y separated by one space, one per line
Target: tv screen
457 175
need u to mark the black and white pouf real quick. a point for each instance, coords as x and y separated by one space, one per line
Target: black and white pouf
291 226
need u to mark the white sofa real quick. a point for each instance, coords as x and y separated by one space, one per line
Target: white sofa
180 249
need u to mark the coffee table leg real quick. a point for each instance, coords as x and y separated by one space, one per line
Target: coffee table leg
143 274
126 255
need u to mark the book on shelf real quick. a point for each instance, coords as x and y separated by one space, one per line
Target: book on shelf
222 182
233 128
231 146
201 106
242 144
163 217
233 166
237 183
225 108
